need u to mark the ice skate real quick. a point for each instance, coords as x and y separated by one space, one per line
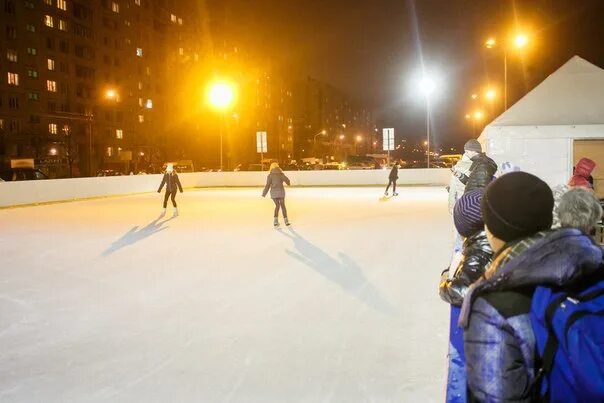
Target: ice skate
162 212
276 223
175 212
287 223
394 194
386 193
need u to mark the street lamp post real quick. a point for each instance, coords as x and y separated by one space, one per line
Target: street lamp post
427 86
221 95
519 42
314 140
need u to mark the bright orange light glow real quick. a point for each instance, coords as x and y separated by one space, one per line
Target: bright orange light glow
468 116
221 95
474 96
342 137
478 115
521 40
490 94
359 138
426 143
490 43
323 132
111 94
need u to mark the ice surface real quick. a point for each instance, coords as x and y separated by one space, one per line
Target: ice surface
101 301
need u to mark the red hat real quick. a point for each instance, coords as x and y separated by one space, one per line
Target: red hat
584 167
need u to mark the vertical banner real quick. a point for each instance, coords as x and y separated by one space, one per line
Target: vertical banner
261 144
388 139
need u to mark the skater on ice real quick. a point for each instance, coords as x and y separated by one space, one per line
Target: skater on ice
172 186
274 183
392 178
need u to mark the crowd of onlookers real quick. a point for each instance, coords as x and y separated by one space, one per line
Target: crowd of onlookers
525 285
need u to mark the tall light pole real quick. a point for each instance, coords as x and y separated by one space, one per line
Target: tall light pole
519 41
221 95
427 87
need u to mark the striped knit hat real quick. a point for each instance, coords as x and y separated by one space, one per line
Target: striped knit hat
467 214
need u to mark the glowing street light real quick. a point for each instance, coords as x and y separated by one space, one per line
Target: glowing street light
478 115
342 137
490 94
359 138
221 96
474 96
521 40
111 94
490 43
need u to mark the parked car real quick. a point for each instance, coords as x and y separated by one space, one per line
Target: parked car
108 172
21 174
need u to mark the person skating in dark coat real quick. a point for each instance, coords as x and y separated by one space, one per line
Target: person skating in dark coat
172 183
476 255
274 182
392 178
499 341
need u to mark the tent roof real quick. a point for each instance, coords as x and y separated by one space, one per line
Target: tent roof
572 95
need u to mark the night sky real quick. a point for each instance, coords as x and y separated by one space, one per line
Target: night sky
373 49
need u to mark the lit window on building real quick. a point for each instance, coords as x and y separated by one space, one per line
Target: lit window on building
32 51
115 7
1 123
141 118
49 21
30 28
109 151
173 18
52 151
29 4
62 4
119 134
51 64
13 79
149 104
119 150
137 2
11 55
139 52
49 2
181 51
52 128
140 102
180 21
51 85
32 73
62 25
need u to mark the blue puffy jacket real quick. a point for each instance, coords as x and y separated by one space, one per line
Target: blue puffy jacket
499 341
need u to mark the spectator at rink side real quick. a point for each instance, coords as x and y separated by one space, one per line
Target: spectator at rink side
461 171
581 209
482 172
476 256
580 179
499 340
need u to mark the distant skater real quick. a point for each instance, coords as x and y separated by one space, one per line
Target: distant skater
172 185
393 177
274 182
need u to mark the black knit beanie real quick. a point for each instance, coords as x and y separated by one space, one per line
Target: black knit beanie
517 205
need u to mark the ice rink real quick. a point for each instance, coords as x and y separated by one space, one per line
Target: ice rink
102 301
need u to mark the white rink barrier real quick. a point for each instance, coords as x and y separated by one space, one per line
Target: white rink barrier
55 190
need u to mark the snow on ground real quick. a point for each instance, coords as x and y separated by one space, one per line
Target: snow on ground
102 301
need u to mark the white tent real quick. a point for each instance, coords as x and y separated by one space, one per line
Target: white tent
542 130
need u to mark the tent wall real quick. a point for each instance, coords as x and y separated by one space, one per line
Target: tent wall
546 151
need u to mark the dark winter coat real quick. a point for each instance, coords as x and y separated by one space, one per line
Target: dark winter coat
274 182
482 171
476 256
393 173
172 183
499 341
